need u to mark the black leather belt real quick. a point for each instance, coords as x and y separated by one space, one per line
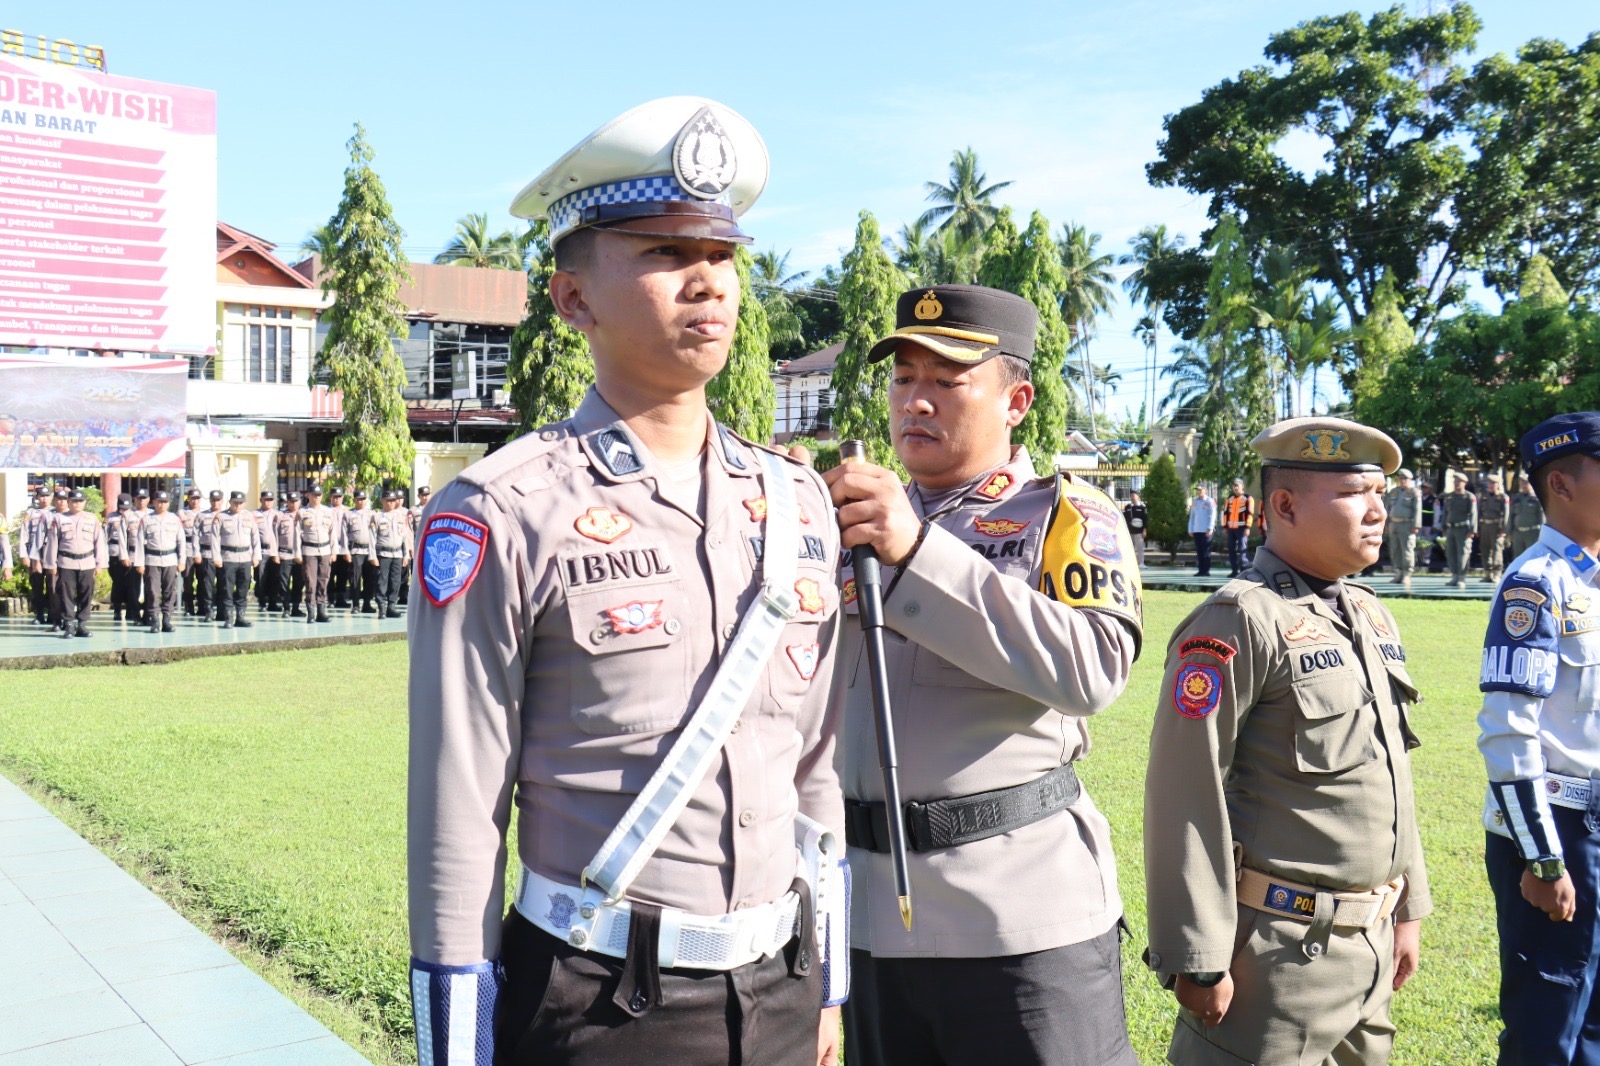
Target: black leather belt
360 547
161 551
77 555
314 543
950 823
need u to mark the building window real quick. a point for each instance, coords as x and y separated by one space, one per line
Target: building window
269 345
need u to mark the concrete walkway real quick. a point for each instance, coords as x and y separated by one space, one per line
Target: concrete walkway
95 968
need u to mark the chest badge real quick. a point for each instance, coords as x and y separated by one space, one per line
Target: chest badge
1577 603
603 524
997 485
998 527
1305 631
636 616
804 657
1374 615
810 593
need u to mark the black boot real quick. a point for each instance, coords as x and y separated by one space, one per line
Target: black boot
297 612
156 629
392 612
241 621
322 613
166 623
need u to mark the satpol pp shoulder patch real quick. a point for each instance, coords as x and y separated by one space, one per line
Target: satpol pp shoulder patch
1197 690
449 555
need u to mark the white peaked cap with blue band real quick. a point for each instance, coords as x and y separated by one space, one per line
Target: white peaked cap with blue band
679 157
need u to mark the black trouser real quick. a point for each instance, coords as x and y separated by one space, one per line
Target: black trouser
58 609
234 596
1059 1007
161 591
559 1006
120 570
389 570
405 584
339 581
362 584
39 594
291 585
77 596
1202 553
188 578
207 600
1236 543
265 582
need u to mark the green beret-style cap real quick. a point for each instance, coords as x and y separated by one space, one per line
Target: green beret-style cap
1333 444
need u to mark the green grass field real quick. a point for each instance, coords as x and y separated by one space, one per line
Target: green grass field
265 796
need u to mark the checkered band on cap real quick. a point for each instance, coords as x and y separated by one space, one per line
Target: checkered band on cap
567 213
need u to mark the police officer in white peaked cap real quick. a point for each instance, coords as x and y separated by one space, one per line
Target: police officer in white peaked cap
623 631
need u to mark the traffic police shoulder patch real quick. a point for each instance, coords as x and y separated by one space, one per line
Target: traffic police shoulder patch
1521 647
1197 690
1086 557
449 555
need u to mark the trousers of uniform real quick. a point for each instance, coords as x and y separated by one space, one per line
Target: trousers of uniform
1236 543
1492 543
262 580
188 578
387 582
234 596
291 585
317 573
1138 547
361 583
1522 540
58 604
405 583
39 594
207 600
1547 969
560 1007
161 591
120 570
1458 551
339 581
1202 553
1058 1007
1331 1010
77 595
1402 548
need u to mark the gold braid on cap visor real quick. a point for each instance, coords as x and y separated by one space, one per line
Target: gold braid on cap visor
924 334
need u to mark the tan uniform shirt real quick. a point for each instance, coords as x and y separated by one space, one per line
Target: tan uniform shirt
205 535
317 532
238 539
1526 513
1404 506
27 533
190 517
357 529
267 530
117 548
162 541
284 532
558 676
76 542
991 682
1281 727
391 534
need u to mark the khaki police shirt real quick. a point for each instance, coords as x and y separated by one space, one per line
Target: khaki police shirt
356 528
1404 506
267 529
1284 728
555 682
27 527
990 685
238 538
391 534
161 541
80 534
1526 513
317 531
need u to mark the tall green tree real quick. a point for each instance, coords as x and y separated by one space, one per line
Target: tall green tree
742 396
1381 340
364 271
966 202
473 246
549 369
1151 250
1088 291
1227 423
773 285
867 295
1164 498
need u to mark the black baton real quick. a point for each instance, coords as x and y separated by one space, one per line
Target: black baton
869 605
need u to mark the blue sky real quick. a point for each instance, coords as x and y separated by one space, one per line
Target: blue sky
860 103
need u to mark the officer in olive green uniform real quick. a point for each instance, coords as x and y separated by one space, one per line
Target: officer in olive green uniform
1525 515
1493 507
1460 510
1282 858
1404 504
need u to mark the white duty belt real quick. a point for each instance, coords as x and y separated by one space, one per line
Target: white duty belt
596 918
1569 792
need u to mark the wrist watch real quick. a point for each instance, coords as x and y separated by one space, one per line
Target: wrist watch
1547 868
1206 979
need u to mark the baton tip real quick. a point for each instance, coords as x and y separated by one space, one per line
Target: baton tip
905 911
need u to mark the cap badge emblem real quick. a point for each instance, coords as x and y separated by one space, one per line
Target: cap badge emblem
928 308
703 156
1324 445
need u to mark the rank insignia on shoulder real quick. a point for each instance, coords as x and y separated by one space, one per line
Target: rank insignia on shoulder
616 451
997 485
810 593
1578 558
636 616
603 524
804 657
450 555
1218 649
1305 631
998 527
1374 615
1197 690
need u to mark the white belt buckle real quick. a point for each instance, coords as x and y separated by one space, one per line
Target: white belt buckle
780 601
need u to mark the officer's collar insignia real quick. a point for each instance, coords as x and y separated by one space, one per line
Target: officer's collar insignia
636 616
804 657
1577 603
1324 445
998 527
730 449
1373 613
616 451
603 524
810 593
1284 582
703 156
562 908
1197 690
928 308
1305 631
450 555
997 485
849 591
1579 558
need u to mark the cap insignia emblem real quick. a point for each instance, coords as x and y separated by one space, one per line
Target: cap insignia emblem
1324 445
703 157
928 308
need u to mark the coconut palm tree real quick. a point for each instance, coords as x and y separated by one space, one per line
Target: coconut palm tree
1201 376
1149 248
473 247
1090 291
966 203
774 284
